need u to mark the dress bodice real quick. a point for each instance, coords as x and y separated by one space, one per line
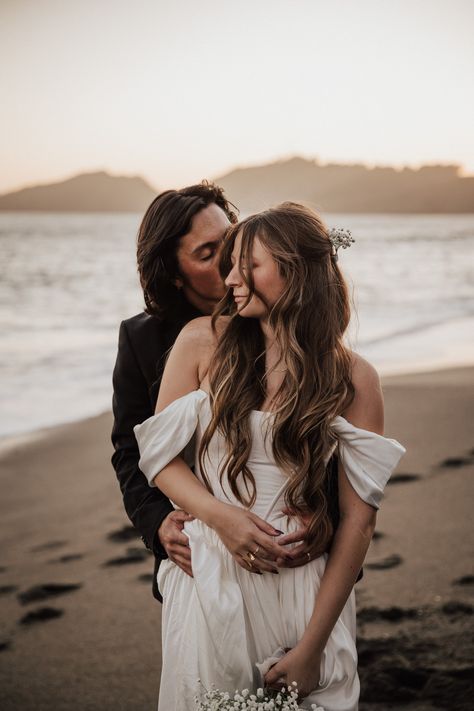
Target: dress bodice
368 458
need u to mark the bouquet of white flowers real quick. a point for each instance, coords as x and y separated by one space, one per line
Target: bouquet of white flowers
264 700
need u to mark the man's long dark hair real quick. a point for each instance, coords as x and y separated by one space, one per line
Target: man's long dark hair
167 219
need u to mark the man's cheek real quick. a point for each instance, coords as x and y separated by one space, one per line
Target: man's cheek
202 280
209 274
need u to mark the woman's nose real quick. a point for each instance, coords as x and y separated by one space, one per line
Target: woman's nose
233 277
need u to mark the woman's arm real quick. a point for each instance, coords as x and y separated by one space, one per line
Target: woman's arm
348 550
240 530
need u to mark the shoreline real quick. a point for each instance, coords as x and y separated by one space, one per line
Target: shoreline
25 439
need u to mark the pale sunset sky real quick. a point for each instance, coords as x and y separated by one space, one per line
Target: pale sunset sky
180 90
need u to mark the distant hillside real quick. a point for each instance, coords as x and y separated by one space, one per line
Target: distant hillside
89 192
329 188
351 188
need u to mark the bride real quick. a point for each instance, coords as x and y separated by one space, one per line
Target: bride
263 394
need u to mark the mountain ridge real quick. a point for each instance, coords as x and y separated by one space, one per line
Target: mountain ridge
331 187
95 191
352 188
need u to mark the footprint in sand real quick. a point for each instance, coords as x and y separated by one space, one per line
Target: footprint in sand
457 608
398 669
390 561
5 589
45 591
67 558
146 578
145 552
403 478
42 614
133 555
123 535
455 462
465 580
50 545
395 684
390 614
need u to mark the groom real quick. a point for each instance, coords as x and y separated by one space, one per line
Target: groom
178 250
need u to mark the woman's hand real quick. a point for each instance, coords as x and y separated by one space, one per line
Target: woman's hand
297 665
249 539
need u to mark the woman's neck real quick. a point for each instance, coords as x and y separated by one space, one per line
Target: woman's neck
268 334
272 349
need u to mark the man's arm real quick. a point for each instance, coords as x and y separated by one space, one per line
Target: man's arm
146 507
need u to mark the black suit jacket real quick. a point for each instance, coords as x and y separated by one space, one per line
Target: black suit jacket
144 342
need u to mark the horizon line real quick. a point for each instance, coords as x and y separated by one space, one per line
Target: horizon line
400 167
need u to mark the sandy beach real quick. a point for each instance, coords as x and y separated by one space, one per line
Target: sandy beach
90 639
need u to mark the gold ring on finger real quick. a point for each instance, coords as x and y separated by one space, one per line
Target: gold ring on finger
251 557
247 562
256 550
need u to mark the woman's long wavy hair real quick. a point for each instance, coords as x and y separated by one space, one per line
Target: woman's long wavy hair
309 320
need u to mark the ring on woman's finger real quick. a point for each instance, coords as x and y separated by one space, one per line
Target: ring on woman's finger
256 550
250 556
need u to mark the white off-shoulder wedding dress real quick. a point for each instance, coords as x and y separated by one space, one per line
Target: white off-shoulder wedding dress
218 625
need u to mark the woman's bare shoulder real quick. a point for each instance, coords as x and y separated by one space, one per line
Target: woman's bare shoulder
196 330
363 374
366 408
200 332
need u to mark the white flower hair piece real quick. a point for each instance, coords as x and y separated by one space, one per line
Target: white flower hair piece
339 237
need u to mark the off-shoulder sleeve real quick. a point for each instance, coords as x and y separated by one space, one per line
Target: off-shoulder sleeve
165 435
368 459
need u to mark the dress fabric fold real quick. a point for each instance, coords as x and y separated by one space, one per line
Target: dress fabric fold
368 459
165 435
224 623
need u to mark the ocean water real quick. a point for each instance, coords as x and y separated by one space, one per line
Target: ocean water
68 280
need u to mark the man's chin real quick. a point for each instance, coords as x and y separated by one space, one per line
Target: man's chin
216 300
204 303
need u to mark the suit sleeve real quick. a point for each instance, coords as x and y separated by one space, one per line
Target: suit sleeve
146 507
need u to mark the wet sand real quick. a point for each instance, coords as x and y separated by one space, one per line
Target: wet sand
79 628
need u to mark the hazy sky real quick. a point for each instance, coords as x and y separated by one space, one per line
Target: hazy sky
185 89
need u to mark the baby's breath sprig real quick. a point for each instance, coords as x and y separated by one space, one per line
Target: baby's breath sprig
340 238
263 700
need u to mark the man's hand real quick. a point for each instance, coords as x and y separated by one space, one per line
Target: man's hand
174 541
298 555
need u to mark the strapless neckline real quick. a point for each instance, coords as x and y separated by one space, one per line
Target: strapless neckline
259 412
